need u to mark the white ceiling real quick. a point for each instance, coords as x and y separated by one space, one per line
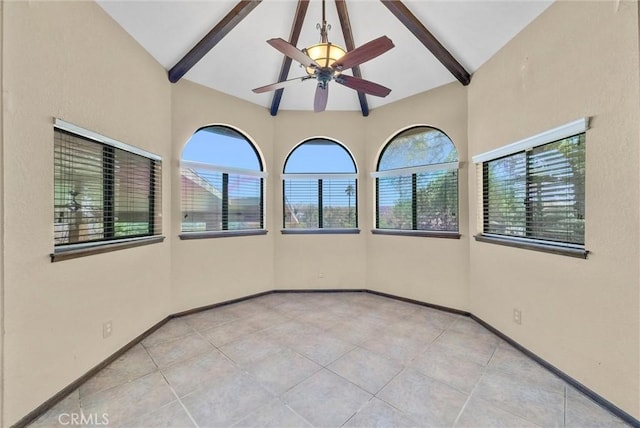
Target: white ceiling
472 31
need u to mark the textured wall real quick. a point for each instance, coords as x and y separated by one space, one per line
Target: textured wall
433 270
70 60
577 59
206 271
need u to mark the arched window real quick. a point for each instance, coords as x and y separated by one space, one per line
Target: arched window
320 187
222 182
417 182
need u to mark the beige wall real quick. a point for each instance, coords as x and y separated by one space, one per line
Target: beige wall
1 219
301 259
577 59
70 60
413 266
207 271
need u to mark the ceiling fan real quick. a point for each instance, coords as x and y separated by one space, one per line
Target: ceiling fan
325 62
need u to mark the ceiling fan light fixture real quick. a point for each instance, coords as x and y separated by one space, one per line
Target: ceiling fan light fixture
324 54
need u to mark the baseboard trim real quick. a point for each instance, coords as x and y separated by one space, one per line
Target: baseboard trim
44 407
598 399
217 305
420 303
603 402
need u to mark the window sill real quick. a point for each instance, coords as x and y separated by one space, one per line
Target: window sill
580 253
421 233
83 250
320 231
221 234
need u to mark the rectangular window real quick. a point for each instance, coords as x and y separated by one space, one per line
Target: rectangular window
214 201
537 195
422 201
323 203
104 191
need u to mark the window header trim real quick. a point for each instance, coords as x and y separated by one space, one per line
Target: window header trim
416 169
82 132
563 131
219 168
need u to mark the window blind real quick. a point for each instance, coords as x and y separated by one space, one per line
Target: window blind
538 193
316 203
420 201
103 192
218 200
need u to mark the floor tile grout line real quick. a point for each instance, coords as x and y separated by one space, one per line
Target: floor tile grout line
180 401
121 383
564 415
466 402
486 371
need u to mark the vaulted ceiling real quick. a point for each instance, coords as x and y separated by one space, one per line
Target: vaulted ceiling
221 44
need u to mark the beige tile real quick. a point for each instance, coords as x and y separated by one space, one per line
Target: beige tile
320 347
133 364
294 308
581 412
522 398
275 414
130 400
352 333
166 353
286 332
229 332
280 372
60 414
478 348
459 373
273 299
364 338
423 399
323 319
379 414
399 348
172 415
186 376
468 326
508 359
266 318
252 348
245 309
173 329
367 369
222 402
434 318
479 414
416 330
210 318
326 399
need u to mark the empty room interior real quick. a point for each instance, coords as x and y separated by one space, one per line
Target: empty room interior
212 215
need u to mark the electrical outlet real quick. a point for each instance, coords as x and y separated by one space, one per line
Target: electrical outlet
321 275
107 328
517 316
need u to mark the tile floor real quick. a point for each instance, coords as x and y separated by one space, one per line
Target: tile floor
326 360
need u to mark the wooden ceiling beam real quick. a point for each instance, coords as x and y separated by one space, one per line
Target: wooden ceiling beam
414 25
296 27
347 32
233 18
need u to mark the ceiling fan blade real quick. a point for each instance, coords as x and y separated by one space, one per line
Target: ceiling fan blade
279 85
364 53
292 52
362 85
320 100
